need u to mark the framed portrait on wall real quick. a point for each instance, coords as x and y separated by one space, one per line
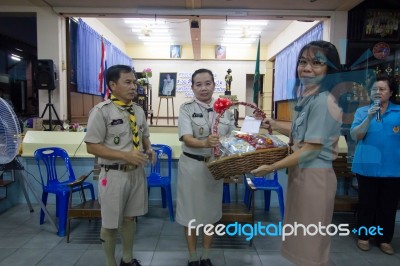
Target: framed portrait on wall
167 86
381 24
175 51
220 52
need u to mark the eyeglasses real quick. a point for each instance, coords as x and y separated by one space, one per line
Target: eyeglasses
380 89
314 63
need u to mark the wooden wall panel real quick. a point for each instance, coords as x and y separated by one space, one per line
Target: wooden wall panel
283 111
81 104
76 105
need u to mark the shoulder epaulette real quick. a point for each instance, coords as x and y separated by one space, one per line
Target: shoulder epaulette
189 102
103 103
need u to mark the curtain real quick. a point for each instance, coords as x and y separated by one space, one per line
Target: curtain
88 57
286 61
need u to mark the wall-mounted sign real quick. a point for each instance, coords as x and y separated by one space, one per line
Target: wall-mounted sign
381 50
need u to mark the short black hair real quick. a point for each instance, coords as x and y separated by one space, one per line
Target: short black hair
203 70
391 81
113 73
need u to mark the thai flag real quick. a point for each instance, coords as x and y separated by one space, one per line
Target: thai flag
103 89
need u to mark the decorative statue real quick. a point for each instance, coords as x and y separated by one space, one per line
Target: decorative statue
228 80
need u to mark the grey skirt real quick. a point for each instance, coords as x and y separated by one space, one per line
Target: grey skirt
199 195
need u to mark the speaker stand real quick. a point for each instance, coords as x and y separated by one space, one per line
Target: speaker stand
50 107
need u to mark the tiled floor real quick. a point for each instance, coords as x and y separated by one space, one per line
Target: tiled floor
160 242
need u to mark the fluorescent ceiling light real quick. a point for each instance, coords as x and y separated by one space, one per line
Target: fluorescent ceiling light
235 44
157 43
158 31
248 22
149 25
15 57
242 31
155 38
141 21
239 40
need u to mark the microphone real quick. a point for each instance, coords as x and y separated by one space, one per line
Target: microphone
377 102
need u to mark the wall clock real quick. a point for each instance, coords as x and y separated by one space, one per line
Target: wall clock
381 50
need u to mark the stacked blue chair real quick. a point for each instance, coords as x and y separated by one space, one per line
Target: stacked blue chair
158 178
263 183
49 158
226 195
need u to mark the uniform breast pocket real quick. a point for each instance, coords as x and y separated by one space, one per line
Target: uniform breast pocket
200 127
299 127
223 127
118 130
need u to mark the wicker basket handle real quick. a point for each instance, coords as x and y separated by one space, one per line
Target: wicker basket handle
259 113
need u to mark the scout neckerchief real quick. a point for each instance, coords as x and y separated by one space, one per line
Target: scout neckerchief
129 108
210 110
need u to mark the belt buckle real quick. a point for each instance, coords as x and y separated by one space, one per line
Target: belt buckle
128 167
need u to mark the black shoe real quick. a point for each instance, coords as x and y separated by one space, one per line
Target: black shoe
133 262
206 262
193 263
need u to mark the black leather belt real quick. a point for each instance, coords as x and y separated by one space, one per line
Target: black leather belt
119 167
197 157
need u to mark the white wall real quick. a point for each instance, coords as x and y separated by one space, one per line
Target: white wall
99 27
335 31
338 33
219 68
290 34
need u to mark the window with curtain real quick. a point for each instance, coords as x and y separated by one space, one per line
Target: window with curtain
285 64
88 58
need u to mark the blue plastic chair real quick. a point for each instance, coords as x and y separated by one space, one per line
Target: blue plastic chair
226 195
52 183
157 179
268 185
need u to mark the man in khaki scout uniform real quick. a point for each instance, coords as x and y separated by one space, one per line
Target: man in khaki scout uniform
118 134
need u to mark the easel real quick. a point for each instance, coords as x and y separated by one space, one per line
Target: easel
173 111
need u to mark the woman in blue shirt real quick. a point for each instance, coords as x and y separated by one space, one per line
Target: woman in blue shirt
377 162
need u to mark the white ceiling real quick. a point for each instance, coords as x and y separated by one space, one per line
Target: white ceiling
212 15
212 30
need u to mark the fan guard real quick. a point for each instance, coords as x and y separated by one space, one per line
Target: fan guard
10 132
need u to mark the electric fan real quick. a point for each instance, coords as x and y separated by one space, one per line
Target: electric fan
10 132
10 140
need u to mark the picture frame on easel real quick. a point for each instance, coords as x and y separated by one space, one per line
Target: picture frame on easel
167 85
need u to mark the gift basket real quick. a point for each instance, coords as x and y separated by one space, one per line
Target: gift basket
240 152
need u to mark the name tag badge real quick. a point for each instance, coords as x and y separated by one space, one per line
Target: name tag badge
197 115
117 122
